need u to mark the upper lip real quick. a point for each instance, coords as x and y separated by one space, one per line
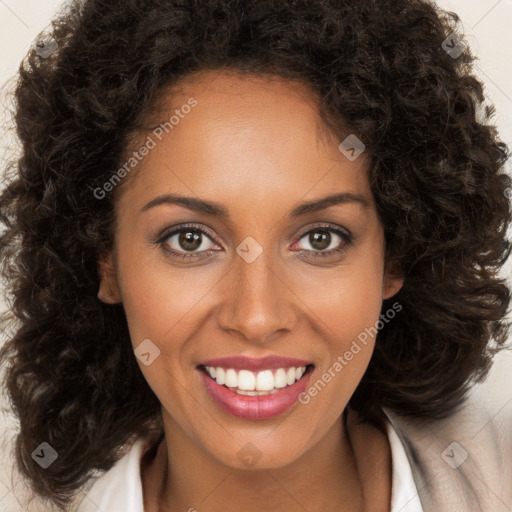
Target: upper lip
256 364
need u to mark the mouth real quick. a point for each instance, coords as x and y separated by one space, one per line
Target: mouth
255 389
251 383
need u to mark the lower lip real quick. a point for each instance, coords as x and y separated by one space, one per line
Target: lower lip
260 407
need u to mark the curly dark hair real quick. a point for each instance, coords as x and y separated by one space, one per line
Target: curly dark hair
379 69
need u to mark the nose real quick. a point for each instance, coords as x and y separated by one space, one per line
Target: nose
256 302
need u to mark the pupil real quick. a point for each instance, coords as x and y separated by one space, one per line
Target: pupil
189 240
320 236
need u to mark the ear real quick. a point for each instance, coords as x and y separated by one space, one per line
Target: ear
109 289
393 281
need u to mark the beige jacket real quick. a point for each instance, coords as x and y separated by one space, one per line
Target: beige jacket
463 463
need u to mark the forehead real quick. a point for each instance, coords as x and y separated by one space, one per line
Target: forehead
246 135
239 88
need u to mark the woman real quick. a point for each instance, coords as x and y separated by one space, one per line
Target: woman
252 252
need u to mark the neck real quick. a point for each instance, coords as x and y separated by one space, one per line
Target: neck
329 477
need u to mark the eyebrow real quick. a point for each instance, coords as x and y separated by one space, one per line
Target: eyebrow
211 208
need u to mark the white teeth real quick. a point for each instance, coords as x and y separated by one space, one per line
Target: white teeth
231 379
264 380
246 382
220 376
254 393
280 379
249 393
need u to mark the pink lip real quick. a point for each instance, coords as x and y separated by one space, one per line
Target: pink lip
255 407
256 364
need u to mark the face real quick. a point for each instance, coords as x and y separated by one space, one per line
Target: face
255 288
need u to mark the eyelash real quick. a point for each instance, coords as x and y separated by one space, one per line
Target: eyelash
347 238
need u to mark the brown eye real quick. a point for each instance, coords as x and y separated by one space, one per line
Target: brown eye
320 239
187 242
324 241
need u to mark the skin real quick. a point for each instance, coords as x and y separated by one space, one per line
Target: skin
259 148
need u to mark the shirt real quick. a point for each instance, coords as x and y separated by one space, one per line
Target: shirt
120 488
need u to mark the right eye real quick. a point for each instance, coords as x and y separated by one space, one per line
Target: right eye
186 242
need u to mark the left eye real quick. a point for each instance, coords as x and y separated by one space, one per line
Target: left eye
322 240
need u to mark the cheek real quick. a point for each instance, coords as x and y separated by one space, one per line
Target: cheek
162 305
357 302
347 303
347 299
159 300
348 308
